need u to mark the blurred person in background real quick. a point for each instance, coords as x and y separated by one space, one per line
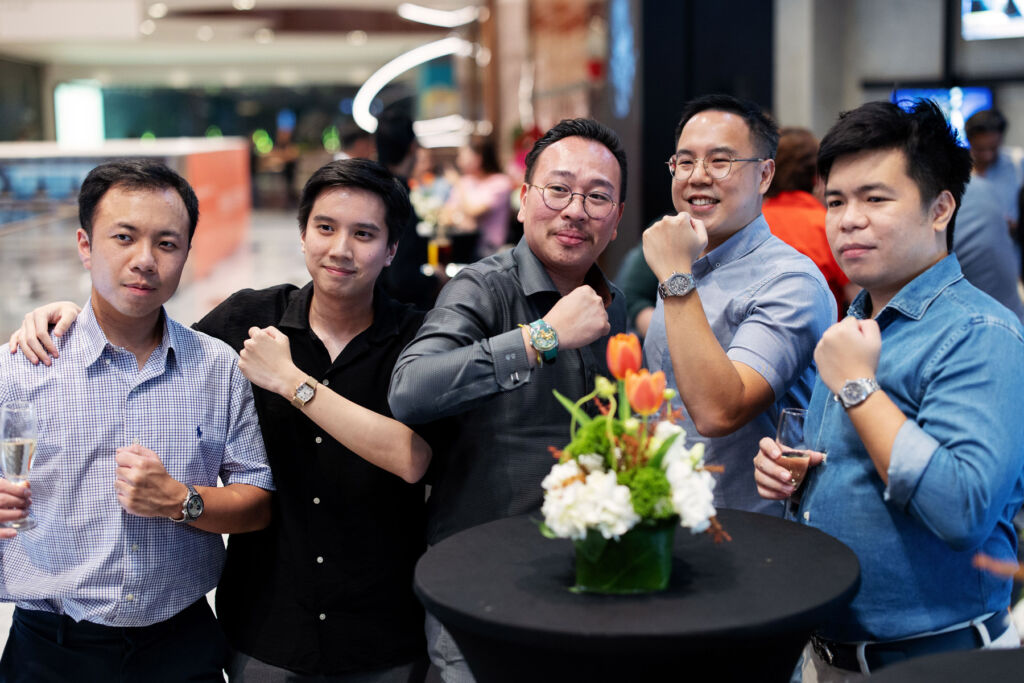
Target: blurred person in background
357 144
479 202
1002 166
797 217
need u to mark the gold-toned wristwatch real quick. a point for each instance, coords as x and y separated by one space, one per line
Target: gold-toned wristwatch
305 392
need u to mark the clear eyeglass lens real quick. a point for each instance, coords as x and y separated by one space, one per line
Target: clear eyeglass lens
557 198
716 168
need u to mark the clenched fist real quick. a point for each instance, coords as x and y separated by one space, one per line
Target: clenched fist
673 244
579 318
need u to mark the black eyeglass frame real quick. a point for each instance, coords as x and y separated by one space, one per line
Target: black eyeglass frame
544 198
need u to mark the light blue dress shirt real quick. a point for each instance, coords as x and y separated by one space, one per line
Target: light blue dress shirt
953 361
768 306
87 557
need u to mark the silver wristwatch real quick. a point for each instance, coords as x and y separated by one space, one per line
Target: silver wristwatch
856 391
192 508
677 284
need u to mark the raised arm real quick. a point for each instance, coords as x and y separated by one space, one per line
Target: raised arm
33 337
387 443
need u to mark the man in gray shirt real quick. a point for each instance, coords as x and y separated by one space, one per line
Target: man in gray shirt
739 311
509 329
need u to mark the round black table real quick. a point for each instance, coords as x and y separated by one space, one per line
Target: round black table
956 667
733 611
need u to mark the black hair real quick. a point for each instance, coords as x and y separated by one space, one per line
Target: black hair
354 136
985 121
582 128
796 162
485 148
764 133
133 174
361 174
394 137
935 159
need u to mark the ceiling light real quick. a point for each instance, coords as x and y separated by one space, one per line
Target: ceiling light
204 33
158 10
147 27
243 5
437 17
264 36
397 66
356 37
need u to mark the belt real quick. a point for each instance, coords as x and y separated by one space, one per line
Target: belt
57 627
878 655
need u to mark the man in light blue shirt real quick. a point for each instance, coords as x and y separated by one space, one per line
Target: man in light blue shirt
916 406
136 424
1001 166
739 311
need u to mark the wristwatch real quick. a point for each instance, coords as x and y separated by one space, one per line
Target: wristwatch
677 284
544 339
192 508
304 393
856 391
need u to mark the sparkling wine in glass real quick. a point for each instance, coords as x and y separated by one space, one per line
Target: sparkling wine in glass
17 446
790 438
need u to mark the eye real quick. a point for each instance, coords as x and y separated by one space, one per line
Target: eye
598 198
169 246
557 190
684 164
123 237
720 163
833 203
323 227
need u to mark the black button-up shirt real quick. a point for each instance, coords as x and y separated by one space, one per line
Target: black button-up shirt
327 587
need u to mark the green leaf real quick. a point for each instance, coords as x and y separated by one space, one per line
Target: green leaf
659 455
545 530
624 408
573 409
592 546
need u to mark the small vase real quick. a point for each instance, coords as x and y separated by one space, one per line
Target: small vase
639 562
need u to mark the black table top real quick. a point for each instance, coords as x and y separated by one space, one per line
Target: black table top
505 580
956 667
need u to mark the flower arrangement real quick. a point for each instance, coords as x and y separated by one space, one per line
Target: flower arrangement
624 479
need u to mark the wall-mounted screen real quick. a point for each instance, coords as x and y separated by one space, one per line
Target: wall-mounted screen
956 103
984 19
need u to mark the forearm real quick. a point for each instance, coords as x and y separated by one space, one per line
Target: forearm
877 421
232 509
715 394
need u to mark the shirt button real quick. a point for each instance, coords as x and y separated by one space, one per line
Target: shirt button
129 597
322 616
318 440
807 515
326 382
135 546
316 501
107 360
319 560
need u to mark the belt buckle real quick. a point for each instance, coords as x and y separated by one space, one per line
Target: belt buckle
822 649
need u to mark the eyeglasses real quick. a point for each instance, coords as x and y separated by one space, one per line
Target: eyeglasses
556 197
716 167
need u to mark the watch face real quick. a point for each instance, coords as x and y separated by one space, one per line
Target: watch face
543 338
304 392
195 507
854 392
678 284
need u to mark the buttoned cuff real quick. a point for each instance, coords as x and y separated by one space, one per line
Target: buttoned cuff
511 364
761 366
911 452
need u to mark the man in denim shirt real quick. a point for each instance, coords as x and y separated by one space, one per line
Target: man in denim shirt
916 406
739 310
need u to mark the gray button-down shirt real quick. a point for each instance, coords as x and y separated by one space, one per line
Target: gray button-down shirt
768 306
468 362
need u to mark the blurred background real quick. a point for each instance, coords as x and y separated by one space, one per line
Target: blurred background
248 97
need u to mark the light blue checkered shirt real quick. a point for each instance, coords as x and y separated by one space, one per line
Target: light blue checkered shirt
88 558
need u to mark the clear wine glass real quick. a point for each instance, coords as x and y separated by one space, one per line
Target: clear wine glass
17 446
790 437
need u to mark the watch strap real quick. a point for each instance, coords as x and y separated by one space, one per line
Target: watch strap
867 385
544 340
677 284
185 517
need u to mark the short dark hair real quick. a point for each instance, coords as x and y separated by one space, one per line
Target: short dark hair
985 121
795 162
935 159
352 137
580 128
133 174
395 137
361 174
764 133
485 148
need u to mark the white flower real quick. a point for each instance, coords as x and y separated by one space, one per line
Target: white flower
592 462
572 506
692 487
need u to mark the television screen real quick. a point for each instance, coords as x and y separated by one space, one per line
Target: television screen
983 19
956 103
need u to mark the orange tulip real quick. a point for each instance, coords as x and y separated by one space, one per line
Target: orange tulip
624 355
645 391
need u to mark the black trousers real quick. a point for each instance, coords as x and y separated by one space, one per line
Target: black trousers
51 647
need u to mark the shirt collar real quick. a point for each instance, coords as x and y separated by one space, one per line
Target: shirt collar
388 313
94 340
745 240
534 277
918 294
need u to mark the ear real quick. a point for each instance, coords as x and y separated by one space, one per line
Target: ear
392 250
618 217
84 249
522 202
942 210
767 173
302 241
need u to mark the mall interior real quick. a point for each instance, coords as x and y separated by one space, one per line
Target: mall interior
246 98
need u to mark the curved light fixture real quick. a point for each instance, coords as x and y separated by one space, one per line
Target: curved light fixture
438 17
397 66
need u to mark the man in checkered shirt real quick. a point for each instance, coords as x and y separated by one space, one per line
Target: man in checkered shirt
136 424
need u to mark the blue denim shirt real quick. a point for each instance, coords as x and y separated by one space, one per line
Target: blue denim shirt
953 361
768 306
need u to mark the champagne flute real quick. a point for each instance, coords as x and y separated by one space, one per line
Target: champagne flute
790 437
17 446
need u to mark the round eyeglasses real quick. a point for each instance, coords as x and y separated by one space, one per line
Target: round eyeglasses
716 167
556 197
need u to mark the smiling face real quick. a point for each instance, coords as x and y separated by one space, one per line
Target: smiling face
568 241
136 254
727 204
345 243
880 233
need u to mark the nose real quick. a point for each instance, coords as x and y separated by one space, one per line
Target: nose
851 217
143 258
341 246
575 210
700 174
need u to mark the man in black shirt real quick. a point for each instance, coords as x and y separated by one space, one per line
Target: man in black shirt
326 589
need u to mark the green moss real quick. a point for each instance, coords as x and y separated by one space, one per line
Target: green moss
592 437
650 492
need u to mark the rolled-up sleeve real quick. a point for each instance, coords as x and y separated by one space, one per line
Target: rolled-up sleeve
456 359
955 467
782 323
